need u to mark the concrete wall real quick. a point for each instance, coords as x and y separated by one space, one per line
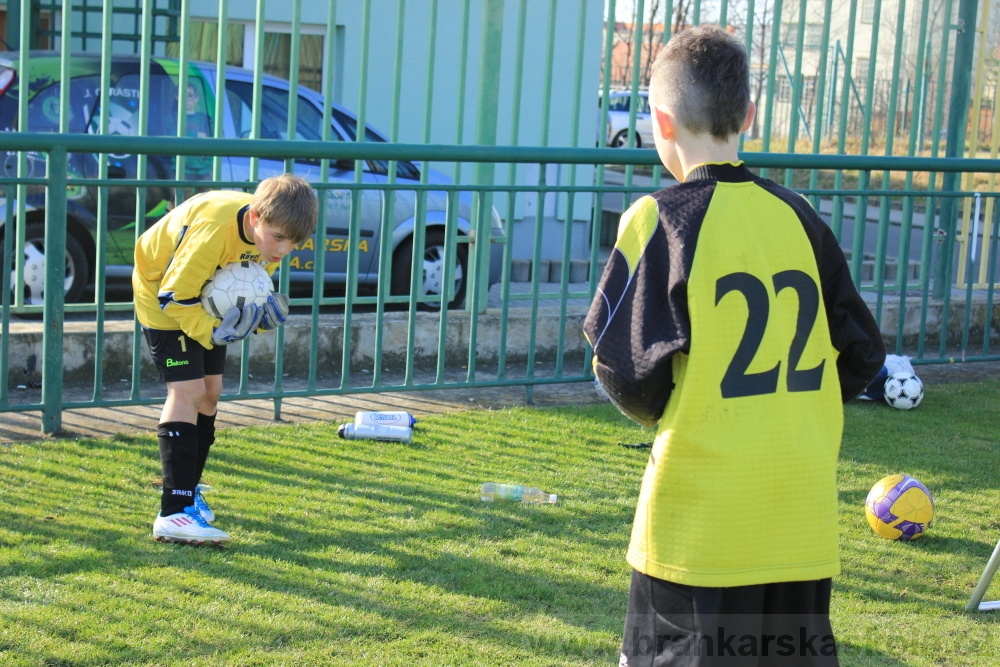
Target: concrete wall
79 346
25 342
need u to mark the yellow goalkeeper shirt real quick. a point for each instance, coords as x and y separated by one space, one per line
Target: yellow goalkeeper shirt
176 257
727 319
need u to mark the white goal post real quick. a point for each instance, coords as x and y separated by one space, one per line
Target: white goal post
976 601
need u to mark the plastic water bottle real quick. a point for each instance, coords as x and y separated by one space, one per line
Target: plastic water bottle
525 494
368 432
385 418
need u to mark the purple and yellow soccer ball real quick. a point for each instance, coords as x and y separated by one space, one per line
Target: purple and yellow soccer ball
899 507
904 390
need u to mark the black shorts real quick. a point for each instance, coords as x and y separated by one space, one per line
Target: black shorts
178 357
692 626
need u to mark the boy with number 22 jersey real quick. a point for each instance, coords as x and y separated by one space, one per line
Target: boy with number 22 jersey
727 319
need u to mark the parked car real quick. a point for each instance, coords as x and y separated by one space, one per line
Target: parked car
619 102
82 223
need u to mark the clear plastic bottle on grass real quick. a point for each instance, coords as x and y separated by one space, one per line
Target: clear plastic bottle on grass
383 433
385 418
525 494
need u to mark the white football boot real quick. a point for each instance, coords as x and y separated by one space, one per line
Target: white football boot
188 526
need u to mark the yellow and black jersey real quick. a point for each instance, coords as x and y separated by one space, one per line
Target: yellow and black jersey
176 257
727 318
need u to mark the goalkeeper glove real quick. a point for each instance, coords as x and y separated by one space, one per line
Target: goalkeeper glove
237 324
275 311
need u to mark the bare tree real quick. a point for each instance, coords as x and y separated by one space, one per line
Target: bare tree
651 37
763 20
681 13
625 35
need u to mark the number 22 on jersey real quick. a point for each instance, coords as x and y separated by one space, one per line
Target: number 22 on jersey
739 380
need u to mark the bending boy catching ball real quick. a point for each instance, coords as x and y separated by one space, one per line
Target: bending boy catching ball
173 260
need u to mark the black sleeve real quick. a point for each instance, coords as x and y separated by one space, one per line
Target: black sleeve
638 321
853 329
633 355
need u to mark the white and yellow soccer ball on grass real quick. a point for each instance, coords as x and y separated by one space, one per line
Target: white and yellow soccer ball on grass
236 284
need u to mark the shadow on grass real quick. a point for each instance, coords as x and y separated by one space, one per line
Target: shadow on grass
861 656
397 527
442 540
949 442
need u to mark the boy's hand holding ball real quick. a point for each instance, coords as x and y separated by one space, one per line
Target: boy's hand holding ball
275 311
237 324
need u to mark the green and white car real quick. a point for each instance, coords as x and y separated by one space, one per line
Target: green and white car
82 223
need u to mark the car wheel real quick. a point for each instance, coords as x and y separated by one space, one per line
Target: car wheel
77 266
620 140
433 270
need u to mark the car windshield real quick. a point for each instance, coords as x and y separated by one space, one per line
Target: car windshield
43 106
349 124
274 113
621 103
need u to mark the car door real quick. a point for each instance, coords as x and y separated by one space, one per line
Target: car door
404 201
644 121
274 125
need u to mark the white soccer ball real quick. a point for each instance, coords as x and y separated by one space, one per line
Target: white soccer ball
236 284
904 390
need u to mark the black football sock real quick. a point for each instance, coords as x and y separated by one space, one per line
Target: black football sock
206 436
179 460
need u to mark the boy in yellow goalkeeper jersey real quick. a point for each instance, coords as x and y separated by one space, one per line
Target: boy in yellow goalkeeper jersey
173 260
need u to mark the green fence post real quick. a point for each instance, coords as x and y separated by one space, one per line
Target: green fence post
12 36
486 135
55 274
958 111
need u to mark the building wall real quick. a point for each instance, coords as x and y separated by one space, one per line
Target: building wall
453 103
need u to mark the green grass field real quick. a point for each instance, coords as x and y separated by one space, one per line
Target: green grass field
364 553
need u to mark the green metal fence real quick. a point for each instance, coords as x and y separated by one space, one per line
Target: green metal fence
960 325
922 240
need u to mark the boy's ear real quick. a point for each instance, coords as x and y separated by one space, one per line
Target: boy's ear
751 112
665 123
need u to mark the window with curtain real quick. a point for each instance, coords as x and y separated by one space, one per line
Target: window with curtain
204 43
278 58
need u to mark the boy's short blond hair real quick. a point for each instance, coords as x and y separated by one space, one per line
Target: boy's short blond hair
287 203
702 77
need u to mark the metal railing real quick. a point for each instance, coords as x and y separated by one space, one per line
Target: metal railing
885 230
920 230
